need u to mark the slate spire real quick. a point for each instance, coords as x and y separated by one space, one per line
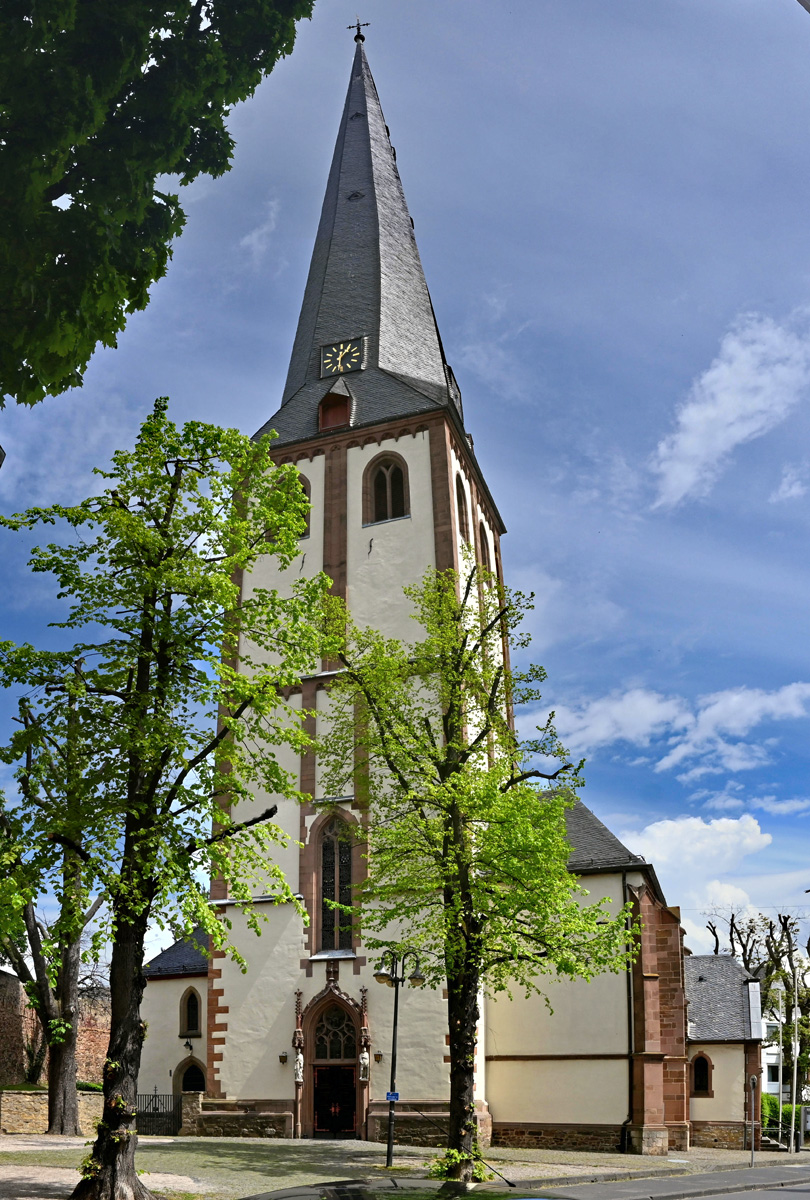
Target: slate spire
365 281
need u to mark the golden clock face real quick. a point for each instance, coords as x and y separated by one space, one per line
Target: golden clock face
341 357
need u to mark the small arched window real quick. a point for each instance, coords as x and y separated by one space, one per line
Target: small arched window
335 1035
193 1079
334 412
461 506
307 490
701 1076
484 541
190 1013
336 886
385 489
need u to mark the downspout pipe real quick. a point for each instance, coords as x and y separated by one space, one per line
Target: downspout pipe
631 1035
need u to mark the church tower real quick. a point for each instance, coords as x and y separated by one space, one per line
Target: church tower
371 416
299 1045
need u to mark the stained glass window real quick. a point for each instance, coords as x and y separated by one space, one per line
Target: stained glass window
335 1035
336 886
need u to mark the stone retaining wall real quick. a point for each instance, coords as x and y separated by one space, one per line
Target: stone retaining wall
530 1135
27 1112
723 1135
231 1124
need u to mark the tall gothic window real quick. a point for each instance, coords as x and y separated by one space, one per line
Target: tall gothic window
701 1076
190 1013
335 1035
461 505
336 886
385 489
484 540
307 490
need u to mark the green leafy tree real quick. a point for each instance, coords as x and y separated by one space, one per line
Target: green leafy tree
56 777
771 950
177 732
98 100
467 850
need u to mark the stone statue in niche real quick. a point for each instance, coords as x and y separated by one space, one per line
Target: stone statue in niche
299 1067
363 1063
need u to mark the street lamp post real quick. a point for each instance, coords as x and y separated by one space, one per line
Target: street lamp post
795 1058
391 972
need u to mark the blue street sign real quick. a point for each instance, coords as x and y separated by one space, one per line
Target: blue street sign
391 1096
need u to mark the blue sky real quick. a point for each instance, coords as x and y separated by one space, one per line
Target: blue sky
611 206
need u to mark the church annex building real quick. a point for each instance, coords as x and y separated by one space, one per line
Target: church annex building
300 1045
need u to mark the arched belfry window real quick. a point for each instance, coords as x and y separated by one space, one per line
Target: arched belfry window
307 490
336 886
190 1013
484 542
335 1035
386 495
461 506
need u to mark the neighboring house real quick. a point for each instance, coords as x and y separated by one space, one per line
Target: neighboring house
724 1035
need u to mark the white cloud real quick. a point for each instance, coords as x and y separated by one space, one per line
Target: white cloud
691 857
705 738
634 716
760 373
257 241
782 808
684 842
792 485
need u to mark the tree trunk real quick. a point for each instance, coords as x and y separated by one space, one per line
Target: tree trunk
63 1102
462 1013
109 1172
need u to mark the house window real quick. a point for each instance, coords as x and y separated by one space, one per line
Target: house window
190 1013
773 1072
702 1076
484 541
334 412
336 886
461 506
193 1079
385 489
335 1035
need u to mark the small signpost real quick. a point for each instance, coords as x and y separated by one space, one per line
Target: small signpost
392 1097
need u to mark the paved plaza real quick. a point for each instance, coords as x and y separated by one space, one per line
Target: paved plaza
44 1168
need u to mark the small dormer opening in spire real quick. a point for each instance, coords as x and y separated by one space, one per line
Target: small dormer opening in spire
334 412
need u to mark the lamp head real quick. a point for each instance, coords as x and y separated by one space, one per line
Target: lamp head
416 978
383 975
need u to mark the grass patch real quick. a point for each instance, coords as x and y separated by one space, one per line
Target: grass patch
23 1087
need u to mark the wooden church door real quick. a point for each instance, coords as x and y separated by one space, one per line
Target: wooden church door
335 1075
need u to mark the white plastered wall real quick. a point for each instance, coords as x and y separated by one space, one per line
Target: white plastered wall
163 1049
261 1017
384 557
727 1083
588 1018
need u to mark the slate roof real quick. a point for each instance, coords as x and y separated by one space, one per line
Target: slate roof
182 958
366 280
594 847
717 996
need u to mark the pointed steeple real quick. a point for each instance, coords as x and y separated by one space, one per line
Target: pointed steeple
365 284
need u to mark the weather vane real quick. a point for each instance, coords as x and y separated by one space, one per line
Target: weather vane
359 37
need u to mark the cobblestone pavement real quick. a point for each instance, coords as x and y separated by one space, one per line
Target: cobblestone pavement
43 1168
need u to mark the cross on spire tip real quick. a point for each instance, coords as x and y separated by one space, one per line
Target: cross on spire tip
359 26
